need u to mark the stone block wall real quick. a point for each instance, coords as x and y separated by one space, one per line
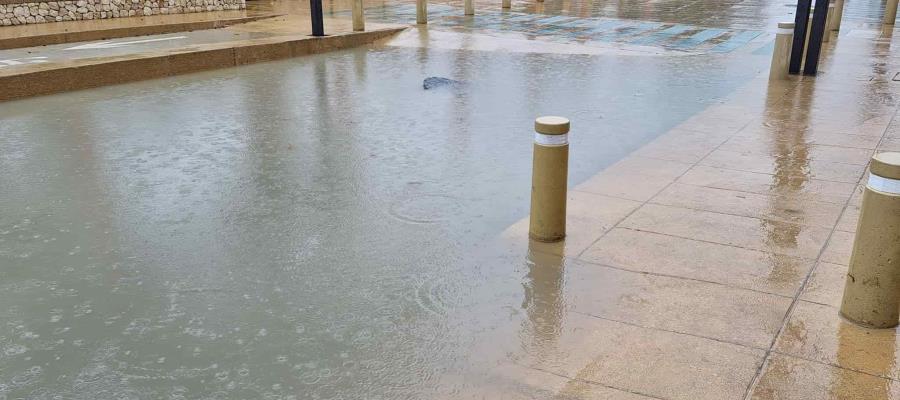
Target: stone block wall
19 12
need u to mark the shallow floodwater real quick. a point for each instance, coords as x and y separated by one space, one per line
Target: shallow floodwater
314 228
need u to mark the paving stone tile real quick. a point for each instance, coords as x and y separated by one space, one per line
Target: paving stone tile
826 284
506 380
816 332
777 207
761 183
790 378
625 185
699 308
649 166
787 166
683 146
650 362
588 216
850 217
802 135
728 265
839 248
751 233
848 155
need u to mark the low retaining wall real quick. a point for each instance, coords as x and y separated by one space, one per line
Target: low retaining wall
19 12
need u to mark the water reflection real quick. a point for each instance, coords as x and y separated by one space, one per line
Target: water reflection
785 124
857 350
544 302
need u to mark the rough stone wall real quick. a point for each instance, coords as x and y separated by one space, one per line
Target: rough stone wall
57 11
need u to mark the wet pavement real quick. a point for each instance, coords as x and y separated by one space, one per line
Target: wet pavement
322 227
292 27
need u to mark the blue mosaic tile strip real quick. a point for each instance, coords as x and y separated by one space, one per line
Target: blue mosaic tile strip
737 40
698 38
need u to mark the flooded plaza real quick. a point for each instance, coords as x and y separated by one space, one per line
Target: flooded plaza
324 227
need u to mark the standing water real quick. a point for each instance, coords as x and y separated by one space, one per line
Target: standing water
313 228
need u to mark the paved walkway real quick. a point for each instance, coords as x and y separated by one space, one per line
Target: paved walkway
42 70
710 263
294 26
590 31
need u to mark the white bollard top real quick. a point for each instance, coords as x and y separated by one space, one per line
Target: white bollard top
551 125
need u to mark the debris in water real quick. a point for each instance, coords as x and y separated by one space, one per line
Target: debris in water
436 82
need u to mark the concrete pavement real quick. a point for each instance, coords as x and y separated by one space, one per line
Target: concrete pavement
715 256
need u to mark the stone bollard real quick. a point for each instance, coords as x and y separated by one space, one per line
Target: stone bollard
781 56
549 179
470 7
890 12
421 12
359 20
838 15
872 290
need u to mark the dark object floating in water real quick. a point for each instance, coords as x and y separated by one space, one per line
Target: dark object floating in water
436 82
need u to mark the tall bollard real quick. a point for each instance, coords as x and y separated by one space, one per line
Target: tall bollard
890 12
359 21
808 34
549 177
421 12
838 15
829 21
781 57
872 290
470 7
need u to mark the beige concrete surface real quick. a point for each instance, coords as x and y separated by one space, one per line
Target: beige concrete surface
710 263
262 40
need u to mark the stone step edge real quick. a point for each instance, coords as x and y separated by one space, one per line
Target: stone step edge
123 69
114 33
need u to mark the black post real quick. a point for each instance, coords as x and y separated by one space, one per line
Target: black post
800 22
815 38
315 14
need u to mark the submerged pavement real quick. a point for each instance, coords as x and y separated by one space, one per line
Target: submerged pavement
322 227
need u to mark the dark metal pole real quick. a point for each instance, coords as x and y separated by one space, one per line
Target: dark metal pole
815 38
800 22
315 14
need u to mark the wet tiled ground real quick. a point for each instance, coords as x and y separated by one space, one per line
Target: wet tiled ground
726 262
567 29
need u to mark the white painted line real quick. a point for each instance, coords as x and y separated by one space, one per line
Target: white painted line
111 45
883 185
551 140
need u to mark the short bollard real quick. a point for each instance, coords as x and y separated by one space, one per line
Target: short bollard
872 290
506 4
781 56
890 12
549 177
421 12
359 20
470 7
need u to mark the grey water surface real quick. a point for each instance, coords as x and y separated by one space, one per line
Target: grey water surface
312 228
